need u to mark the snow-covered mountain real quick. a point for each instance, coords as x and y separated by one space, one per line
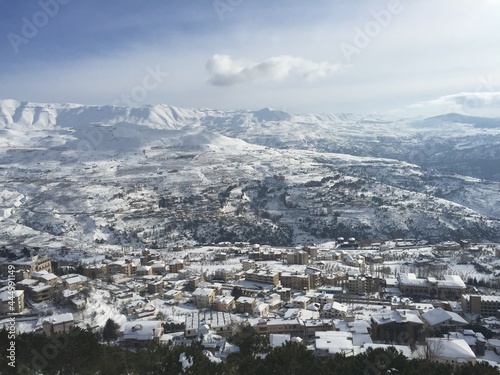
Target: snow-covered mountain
75 174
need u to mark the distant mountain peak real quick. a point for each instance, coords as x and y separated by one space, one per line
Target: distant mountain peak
269 114
457 118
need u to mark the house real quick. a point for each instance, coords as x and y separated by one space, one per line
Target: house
397 326
295 281
58 323
95 270
322 298
360 330
75 282
175 265
139 334
333 310
264 276
41 293
261 310
119 266
223 323
453 351
224 303
158 268
32 264
439 317
276 339
144 271
155 287
133 306
300 302
45 277
274 301
173 294
245 305
11 301
203 297
333 342
293 327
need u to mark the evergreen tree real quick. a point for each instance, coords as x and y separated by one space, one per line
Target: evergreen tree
110 331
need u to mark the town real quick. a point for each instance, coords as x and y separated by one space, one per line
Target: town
438 301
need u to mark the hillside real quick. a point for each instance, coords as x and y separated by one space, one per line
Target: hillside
152 175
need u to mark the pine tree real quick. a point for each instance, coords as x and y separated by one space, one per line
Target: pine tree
110 331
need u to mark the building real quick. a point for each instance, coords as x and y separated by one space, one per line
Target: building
333 342
322 298
222 323
484 305
333 310
245 305
155 287
175 265
301 302
453 351
363 284
450 287
223 274
224 303
119 266
265 277
139 334
95 270
447 246
58 323
293 327
295 281
144 271
158 268
11 302
75 282
173 294
203 297
45 277
33 264
41 293
397 326
297 257
261 310
439 317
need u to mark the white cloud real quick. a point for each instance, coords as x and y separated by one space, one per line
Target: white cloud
224 71
462 102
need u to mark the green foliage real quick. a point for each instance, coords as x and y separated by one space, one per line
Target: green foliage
110 331
80 352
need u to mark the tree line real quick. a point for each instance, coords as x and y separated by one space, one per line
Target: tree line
84 352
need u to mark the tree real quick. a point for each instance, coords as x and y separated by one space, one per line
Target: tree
110 331
236 292
292 358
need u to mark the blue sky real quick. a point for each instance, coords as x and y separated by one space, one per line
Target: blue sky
407 57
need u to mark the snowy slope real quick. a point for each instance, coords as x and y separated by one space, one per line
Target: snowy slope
74 174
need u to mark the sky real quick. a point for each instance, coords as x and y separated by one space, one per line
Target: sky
400 57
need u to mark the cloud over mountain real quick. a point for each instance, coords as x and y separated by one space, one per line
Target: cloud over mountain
465 101
224 71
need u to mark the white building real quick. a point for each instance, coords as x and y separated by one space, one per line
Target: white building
454 351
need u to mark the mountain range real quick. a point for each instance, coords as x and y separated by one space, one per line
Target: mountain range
152 175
